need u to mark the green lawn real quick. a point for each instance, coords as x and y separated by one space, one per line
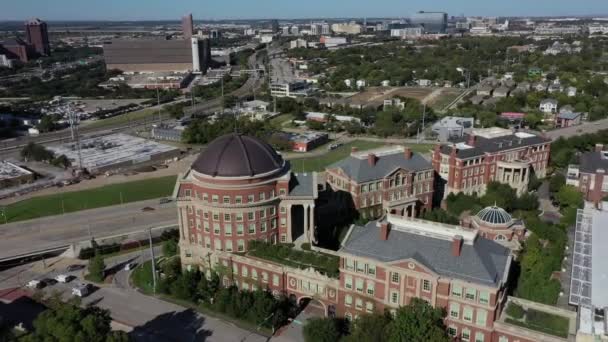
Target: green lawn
539 321
125 118
142 278
319 163
87 199
445 99
281 119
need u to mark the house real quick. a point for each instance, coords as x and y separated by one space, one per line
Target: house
571 91
361 84
396 103
424 83
555 88
508 83
534 71
548 106
451 127
568 119
477 99
485 91
524 85
508 76
540 86
386 83
348 82
501 92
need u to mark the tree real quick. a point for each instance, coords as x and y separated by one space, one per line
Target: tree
418 322
370 328
569 196
97 268
556 182
321 330
67 322
170 248
47 124
36 152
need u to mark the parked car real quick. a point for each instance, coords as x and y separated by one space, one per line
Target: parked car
48 281
35 284
63 278
145 209
74 267
81 290
129 266
164 200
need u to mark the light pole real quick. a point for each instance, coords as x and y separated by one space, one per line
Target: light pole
462 71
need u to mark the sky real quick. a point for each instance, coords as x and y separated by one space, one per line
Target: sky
256 9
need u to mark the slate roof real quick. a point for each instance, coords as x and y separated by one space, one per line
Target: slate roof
568 115
302 184
483 145
484 262
591 161
361 171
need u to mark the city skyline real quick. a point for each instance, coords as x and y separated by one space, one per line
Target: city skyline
241 9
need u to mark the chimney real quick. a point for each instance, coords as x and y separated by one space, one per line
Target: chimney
456 245
384 230
471 141
408 153
371 159
599 147
454 150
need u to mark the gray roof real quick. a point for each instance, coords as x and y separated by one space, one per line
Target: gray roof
302 185
591 161
361 171
483 145
568 115
484 262
552 101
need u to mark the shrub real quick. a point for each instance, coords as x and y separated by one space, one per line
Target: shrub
515 311
306 246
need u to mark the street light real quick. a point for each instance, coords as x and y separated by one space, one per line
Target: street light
462 71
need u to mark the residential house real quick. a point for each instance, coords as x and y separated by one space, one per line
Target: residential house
540 86
589 175
548 106
555 88
568 119
485 90
571 91
451 127
501 92
477 99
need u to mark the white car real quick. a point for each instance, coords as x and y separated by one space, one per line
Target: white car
129 266
34 284
62 278
81 290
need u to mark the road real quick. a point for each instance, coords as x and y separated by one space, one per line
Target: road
55 231
147 318
585 128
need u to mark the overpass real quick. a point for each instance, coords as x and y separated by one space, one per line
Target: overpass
60 232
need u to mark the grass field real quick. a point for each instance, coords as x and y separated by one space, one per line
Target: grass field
281 119
446 97
87 199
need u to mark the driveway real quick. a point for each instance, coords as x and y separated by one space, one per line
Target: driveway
549 213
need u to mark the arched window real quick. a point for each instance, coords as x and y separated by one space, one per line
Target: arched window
500 238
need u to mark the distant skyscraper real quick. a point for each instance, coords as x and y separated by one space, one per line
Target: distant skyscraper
325 29
275 26
187 26
433 22
38 36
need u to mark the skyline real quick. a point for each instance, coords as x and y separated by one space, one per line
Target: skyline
118 10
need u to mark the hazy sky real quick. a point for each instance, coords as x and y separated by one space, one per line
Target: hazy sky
242 9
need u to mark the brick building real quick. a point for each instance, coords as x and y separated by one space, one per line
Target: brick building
390 179
492 154
37 35
589 176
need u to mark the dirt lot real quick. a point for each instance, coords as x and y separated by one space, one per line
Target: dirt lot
376 95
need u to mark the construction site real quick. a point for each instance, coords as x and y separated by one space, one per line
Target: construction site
115 151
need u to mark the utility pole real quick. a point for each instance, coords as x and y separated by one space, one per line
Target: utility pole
222 82
153 261
423 117
160 116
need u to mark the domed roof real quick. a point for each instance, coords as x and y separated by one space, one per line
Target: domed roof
494 215
237 155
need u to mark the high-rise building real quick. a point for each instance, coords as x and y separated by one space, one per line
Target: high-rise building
187 26
433 22
37 36
275 26
16 49
325 29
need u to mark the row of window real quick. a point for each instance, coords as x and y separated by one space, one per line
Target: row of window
471 294
245 273
466 336
359 266
426 284
238 199
467 314
238 216
252 228
348 302
359 285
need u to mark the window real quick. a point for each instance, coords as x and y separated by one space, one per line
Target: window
348 300
480 318
187 193
395 277
205 198
227 217
283 238
452 331
503 339
226 199
282 192
206 215
239 229
454 310
240 246
466 335
467 314
262 213
359 285
244 271
216 228
227 229
283 210
250 216
250 198
471 294
216 217
218 244
371 269
283 221
254 274
360 267
273 211
484 297
480 337
358 304
262 196
348 282
238 199
228 246
239 217
275 280
350 264
235 269
206 226
263 226
252 228
207 242
370 288
394 297
215 198
369 307
273 223
348 316
265 277
426 285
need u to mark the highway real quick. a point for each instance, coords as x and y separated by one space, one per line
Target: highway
55 231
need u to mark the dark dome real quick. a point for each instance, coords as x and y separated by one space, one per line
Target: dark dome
236 155
494 215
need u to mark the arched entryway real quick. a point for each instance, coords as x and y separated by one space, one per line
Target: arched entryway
312 307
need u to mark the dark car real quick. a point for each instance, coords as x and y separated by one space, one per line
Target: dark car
73 268
48 281
147 209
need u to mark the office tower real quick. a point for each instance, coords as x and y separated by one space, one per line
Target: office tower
275 26
38 36
187 26
433 22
